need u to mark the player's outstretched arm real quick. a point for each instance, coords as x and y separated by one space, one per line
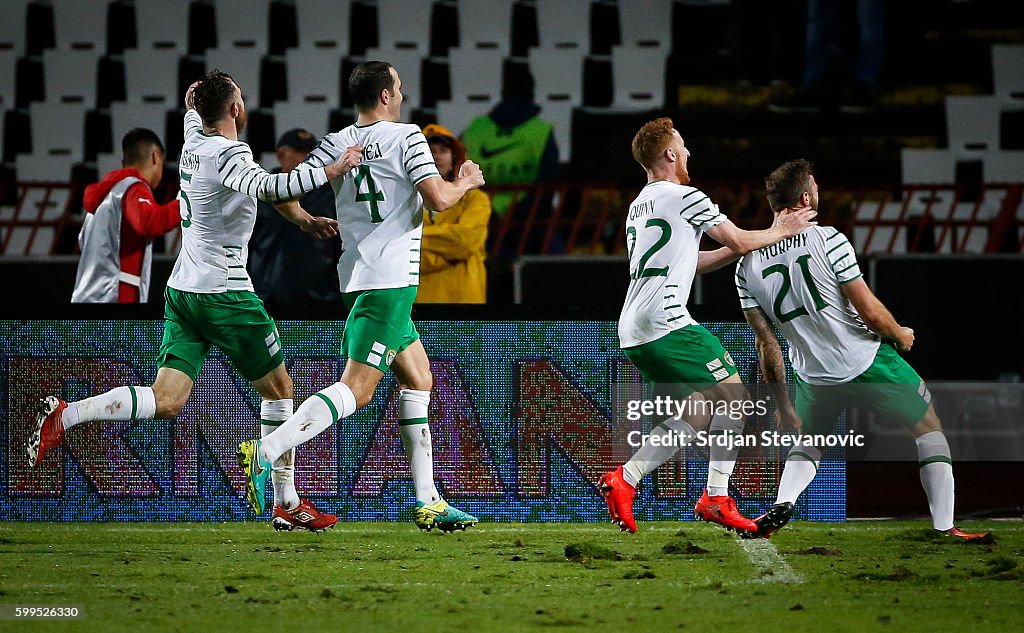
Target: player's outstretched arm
787 224
773 367
439 194
321 228
710 261
876 315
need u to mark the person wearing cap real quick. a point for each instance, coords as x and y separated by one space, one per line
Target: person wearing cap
452 258
287 266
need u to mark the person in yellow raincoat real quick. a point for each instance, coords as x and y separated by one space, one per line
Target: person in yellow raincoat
452 257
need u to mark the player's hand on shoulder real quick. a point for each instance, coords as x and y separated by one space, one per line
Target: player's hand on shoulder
348 161
905 339
472 172
190 95
792 221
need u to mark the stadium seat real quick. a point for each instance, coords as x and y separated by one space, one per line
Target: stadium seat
638 77
163 25
323 24
403 24
928 166
28 240
70 76
409 64
557 74
81 24
125 116
1008 75
12 29
456 115
108 162
475 74
311 116
646 23
151 76
564 24
305 84
485 24
243 64
8 65
243 24
39 28
972 124
559 115
1003 167
58 129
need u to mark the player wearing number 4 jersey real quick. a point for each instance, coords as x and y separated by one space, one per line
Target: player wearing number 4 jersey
664 228
842 344
209 298
380 215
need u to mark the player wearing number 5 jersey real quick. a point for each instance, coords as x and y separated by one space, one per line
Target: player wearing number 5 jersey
209 298
380 217
664 227
843 346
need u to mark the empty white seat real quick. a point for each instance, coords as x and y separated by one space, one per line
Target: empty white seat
70 76
638 77
485 24
125 116
557 74
408 62
475 74
646 23
106 163
404 24
58 129
243 24
559 115
310 116
456 115
972 124
1008 74
323 24
12 28
161 24
8 64
243 64
1003 167
928 166
563 24
80 24
313 75
151 76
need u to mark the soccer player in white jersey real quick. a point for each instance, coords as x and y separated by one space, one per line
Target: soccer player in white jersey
843 344
209 298
664 227
380 217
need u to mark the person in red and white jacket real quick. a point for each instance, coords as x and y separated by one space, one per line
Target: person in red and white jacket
121 221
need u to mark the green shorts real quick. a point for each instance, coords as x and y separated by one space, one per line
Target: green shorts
235 321
889 386
690 357
379 325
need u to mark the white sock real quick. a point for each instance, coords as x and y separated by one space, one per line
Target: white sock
315 415
119 404
801 467
723 459
936 468
272 414
413 406
650 456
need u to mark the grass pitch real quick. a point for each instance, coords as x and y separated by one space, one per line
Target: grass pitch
514 577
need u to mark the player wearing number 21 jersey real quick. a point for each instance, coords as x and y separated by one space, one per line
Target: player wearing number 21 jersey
380 217
843 346
664 227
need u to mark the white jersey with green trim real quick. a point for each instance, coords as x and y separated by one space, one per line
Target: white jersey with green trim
796 283
380 212
220 182
663 231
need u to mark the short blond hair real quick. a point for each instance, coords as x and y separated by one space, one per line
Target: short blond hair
650 141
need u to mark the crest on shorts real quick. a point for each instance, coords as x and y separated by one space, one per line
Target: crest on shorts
728 358
390 358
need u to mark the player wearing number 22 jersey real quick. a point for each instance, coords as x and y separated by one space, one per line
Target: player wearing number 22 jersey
664 227
380 216
843 347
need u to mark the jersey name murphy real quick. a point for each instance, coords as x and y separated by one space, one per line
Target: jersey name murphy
768 252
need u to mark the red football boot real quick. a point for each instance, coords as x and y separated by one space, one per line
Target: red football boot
49 429
618 495
722 510
305 516
982 539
